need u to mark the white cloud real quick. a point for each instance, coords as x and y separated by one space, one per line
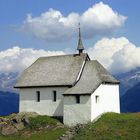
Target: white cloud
52 25
116 54
17 59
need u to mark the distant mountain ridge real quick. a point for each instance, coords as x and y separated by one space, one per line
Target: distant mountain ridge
7 81
128 80
130 102
9 103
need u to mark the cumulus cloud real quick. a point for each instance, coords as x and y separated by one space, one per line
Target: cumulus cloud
52 25
116 54
17 59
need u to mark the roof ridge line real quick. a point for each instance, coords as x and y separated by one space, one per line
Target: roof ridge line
73 54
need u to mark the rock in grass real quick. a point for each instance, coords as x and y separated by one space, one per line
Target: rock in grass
8 129
19 126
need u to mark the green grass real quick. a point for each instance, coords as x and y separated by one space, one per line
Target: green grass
42 121
112 126
46 135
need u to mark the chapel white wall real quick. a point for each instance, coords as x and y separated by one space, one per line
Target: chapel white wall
75 113
109 100
46 106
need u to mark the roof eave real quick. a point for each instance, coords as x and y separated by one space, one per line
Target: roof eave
114 83
43 86
73 94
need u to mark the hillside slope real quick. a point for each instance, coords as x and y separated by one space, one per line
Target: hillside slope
130 102
112 126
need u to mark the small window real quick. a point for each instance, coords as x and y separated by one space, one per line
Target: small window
38 96
54 96
77 99
97 98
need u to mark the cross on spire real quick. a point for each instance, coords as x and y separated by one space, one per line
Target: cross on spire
80 46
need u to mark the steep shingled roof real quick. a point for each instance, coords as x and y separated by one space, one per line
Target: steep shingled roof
60 70
65 70
92 76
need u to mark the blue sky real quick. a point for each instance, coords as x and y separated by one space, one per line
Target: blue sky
33 28
13 13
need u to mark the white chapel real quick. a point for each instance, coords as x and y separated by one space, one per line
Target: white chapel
72 86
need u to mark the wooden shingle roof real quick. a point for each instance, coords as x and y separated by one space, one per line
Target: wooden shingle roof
92 76
59 70
78 72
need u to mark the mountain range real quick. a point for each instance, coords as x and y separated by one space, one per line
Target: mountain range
129 91
9 103
130 101
128 80
7 81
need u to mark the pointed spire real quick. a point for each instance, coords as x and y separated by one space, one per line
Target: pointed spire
80 46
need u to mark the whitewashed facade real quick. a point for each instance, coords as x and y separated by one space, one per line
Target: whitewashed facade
104 99
46 105
77 113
